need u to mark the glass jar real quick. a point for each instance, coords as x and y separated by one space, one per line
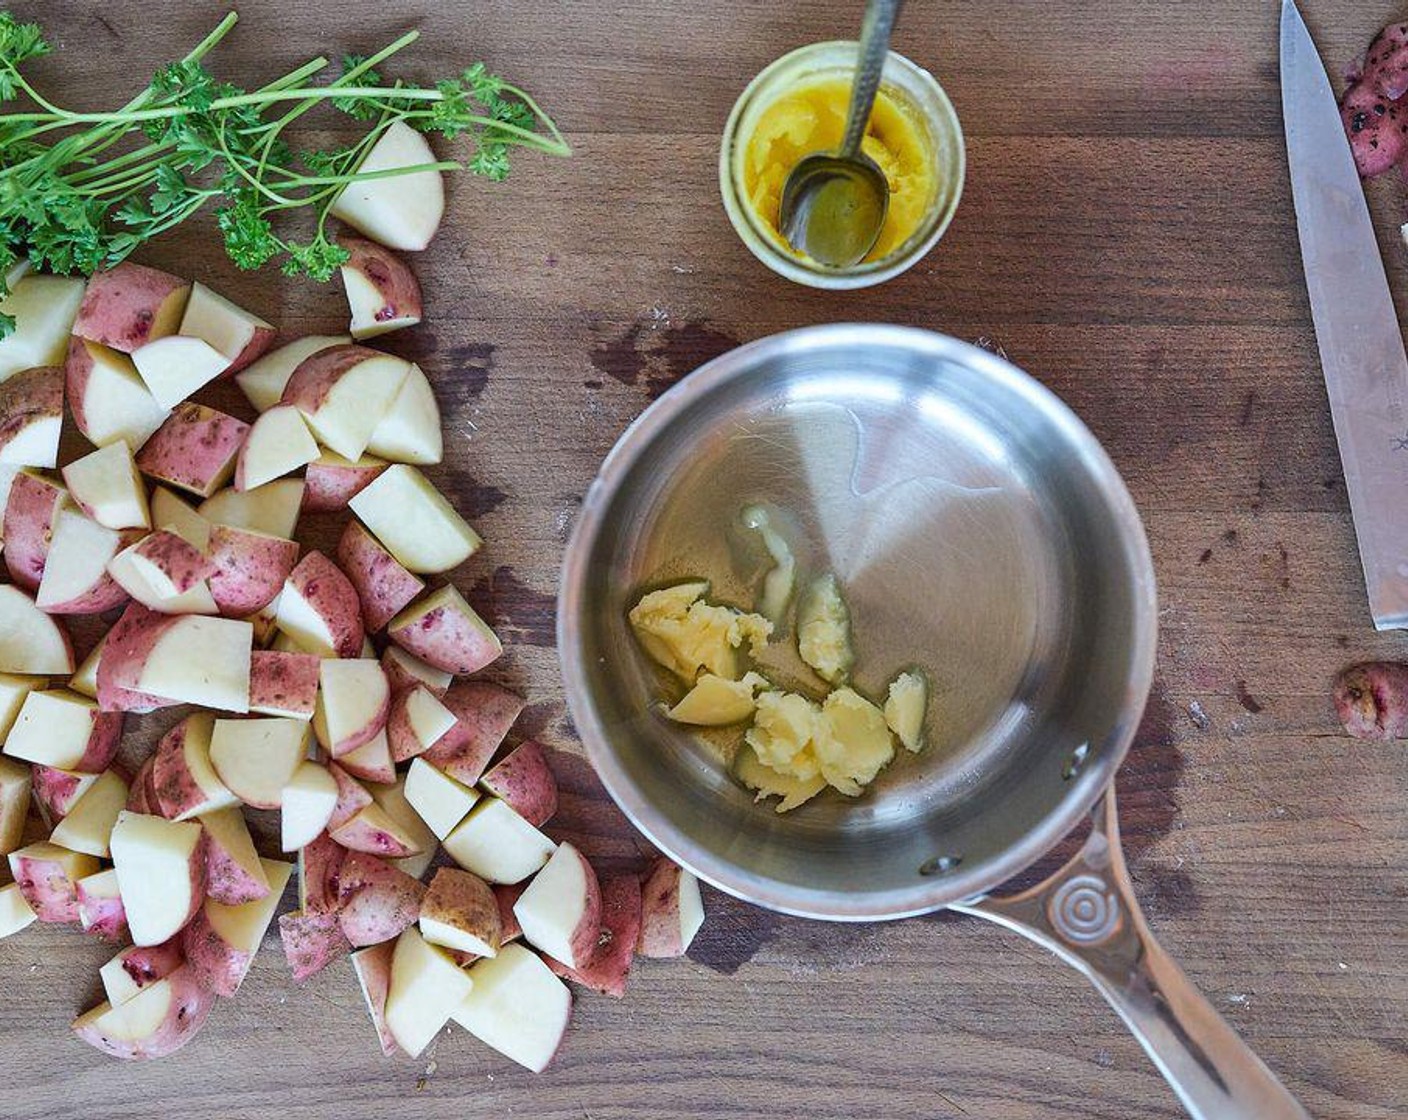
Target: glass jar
912 88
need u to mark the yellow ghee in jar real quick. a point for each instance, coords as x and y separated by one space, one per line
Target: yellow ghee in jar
812 118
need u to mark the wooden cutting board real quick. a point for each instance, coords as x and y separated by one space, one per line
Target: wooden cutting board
1127 236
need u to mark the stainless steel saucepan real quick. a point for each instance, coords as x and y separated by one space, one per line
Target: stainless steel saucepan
980 532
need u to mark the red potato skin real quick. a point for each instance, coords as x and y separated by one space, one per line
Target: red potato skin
247 570
586 938
29 527
27 396
225 880
146 964
51 894
400 679
328 487
321 868
375 901
55 790
129 644
103 742
316 375
216 964
286 681
383 586
1372 119
405 745
102 917
352 797
484 713
359 835
173 786
258 342
526 781
1372 700
506 894
194 450
129 305
373 965
447 640
660 908
389 275
181 562
141 792
192 1004
464 901
311 942
620 930
333 597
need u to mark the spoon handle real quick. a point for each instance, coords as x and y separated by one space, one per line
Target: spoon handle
875 31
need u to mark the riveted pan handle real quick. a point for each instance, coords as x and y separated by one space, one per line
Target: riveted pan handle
1087 915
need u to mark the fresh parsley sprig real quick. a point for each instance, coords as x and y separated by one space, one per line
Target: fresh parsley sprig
79 191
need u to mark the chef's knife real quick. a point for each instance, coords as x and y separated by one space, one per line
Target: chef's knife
1361 343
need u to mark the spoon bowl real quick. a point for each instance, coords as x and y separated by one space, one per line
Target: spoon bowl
835 207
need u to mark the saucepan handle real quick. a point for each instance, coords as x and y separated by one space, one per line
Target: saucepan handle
1087 915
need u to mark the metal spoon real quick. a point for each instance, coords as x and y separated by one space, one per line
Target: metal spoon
833 204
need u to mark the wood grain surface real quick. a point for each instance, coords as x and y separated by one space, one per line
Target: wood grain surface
1126 236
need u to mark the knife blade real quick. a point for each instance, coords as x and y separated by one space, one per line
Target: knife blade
1356 325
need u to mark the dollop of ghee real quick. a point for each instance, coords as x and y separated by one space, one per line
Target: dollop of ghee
811 117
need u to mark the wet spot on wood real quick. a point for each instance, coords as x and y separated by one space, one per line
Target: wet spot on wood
1147 786
1229 537
473 499
733 934
517 612
1206 556
536 719
620 358
460 375
654 354
1247 700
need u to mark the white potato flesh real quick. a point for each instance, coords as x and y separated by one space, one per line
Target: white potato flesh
31 641
160 868
426 988
517 1006
263 381
414 522
44 308
257 758
201 660
174 368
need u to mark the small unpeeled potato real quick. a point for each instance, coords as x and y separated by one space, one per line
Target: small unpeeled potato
382 291
716 701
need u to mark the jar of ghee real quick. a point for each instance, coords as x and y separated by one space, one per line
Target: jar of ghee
797 106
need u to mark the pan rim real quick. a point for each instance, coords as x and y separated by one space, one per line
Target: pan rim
926 896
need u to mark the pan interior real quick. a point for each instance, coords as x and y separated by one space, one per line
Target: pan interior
978 533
